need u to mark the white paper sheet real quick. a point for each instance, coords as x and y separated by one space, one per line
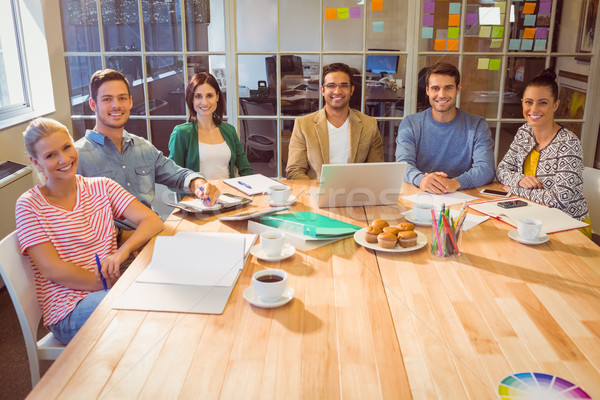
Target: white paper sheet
437 200
196 259
256 184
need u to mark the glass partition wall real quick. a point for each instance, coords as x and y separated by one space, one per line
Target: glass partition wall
268 55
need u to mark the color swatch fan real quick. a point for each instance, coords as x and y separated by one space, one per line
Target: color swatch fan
538 386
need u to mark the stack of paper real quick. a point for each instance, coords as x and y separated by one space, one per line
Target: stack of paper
190 272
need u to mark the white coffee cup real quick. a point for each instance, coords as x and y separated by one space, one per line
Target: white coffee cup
422 211
269 284
272 242
529 228
278 194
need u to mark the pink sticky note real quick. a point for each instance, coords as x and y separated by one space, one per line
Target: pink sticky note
427 20
545 8
472 19
429 7
355 12
541 33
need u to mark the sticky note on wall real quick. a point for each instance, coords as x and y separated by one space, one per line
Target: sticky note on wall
376 5
439 44
427 32
355 12
453 20
343 13
429 7
331 13
529 33
452 44
377 26
494 64
453 32
483 63
529 8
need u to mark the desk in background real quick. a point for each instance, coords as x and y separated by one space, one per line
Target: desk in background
362 324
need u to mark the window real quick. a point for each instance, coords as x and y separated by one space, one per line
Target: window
23 95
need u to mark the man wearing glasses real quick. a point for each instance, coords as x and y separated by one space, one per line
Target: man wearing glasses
335 134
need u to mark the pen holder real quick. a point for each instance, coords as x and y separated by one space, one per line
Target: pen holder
445 237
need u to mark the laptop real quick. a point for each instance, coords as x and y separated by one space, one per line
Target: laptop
366 184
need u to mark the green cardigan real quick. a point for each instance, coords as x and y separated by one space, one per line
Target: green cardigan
183 148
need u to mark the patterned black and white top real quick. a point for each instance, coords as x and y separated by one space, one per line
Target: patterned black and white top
560 169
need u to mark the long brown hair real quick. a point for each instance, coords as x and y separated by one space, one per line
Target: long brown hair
201 79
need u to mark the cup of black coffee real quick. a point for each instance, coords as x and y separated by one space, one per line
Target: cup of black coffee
269 284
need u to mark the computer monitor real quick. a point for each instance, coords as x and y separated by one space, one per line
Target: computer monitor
380 64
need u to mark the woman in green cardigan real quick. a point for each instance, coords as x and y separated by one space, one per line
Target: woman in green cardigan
206 143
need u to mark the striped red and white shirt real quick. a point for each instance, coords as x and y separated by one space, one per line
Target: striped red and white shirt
76 235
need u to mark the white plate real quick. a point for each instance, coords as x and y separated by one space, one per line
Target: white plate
287 251
252 298
410 217
359 237
514 235
291 200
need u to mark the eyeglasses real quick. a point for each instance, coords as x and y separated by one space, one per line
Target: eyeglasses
332 86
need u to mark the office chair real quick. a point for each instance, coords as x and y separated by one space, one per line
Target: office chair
591 191
260 136
290 65
17 274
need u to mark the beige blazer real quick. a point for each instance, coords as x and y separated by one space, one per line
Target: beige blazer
309 144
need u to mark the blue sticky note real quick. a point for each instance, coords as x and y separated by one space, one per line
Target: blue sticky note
529 19
514 44
377 26
540 45
427 32
527 44
454 8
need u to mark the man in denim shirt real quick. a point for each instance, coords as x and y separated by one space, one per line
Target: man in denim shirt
133 162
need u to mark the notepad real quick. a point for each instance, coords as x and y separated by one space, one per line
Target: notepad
553 219
224 203
310 224
198 260
251 184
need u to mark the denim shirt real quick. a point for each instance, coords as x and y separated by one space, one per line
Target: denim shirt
136 169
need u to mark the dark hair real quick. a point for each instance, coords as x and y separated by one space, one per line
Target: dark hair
338 67
443 69
547 78
201 79
105 75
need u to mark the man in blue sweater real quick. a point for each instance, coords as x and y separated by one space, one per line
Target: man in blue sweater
446 149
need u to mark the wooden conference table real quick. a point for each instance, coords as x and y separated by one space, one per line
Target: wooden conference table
362 324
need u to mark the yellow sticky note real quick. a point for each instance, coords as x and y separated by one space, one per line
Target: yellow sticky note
331 13
440 44
529 33
496 44
453 44
485 31
529 8
343 13
483 63
377 5
502 6
453 20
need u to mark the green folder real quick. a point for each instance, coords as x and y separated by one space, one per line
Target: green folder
310 224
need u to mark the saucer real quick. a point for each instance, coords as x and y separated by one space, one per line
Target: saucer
287 251
291 200
252 298
514 235
410 217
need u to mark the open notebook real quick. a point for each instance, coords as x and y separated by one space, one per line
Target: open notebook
192 272
553 220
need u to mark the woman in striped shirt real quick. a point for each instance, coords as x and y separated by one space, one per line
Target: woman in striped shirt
65 222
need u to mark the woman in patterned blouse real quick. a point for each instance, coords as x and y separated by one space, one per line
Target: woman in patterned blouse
545 160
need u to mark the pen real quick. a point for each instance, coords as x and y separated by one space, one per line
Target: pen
245 184
100 271
202 190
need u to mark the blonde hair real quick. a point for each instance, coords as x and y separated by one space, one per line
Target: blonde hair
40 128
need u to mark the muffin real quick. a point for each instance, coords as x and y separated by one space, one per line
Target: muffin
379 223
391 229
406 226
371 233
386 240
407 238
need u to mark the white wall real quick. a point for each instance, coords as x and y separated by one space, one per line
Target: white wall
11 139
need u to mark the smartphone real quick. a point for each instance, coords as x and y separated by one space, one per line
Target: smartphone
512 204
491 192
